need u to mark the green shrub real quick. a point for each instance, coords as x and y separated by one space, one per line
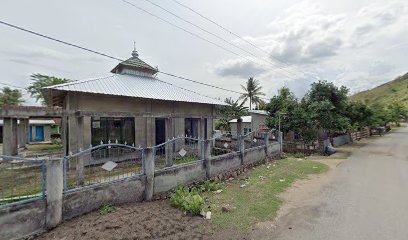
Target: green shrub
105 209
208 186
56 141
189 201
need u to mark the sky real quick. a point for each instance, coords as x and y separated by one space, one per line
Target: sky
356 43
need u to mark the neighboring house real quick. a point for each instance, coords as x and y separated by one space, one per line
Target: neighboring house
39 130
130 106
254 122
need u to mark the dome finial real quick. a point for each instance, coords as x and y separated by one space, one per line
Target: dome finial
134 52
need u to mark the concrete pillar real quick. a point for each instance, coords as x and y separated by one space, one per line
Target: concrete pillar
64 134
150 131
169 148
280 140
266 141
80 160
201 135
241 140
23 133
10 132
207 158
54 189
149 172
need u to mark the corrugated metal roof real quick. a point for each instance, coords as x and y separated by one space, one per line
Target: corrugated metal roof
136 86
245 119
262 112
35 122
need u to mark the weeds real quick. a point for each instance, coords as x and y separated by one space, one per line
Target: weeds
106 209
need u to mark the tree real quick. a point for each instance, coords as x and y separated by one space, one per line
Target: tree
10 96
41 81
397 112
232 110
283 103
252 92
327 106
360 114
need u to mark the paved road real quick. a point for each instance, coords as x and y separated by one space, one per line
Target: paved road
367 199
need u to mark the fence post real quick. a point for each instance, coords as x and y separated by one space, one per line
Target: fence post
241 140
280 140
169 146
207 158
54 189
80 146
149 171
266 141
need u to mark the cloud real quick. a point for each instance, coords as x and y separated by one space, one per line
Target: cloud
238 68
43 53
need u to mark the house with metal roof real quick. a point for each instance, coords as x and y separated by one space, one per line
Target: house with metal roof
132 106
254 122
39 130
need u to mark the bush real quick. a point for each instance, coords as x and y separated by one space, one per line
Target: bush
105 209
56 141
208 186
189 201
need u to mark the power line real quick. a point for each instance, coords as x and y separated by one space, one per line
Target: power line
185 30
104 55
218 37
10 85
236 35
57 40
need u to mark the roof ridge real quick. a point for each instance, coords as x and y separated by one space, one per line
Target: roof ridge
78 82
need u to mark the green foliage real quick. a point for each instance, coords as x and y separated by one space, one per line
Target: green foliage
222 124
106 209
209 186
327 105
56 141
10 96
252 93
41 81
397 112
186 200
360 114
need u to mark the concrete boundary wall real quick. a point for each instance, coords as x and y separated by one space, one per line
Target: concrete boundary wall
22 220
169 178
341 140
25 219
91 198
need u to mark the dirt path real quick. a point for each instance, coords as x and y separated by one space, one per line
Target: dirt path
365 197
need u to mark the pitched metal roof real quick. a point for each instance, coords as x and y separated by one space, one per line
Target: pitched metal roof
135 86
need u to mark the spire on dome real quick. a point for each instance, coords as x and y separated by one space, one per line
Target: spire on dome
134 52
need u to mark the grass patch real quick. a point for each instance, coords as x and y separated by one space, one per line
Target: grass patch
44 147
255 199
106 209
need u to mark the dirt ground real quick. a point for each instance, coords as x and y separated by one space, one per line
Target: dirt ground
149 220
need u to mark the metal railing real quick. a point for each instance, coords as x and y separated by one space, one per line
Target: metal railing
178 151
102 164
21 180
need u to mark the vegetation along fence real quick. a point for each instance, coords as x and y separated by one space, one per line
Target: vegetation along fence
21 180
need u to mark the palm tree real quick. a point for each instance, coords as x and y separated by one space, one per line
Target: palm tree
252 92
10 96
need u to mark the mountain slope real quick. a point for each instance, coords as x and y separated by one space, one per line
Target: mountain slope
393 91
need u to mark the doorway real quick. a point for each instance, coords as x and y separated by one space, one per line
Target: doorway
39 133
160 130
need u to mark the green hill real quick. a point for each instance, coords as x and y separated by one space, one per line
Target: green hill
393 91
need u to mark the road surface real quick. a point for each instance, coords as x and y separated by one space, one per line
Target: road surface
366 200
